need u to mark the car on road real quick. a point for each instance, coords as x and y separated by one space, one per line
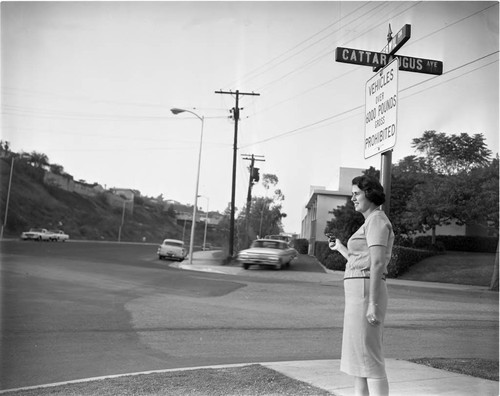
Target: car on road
172 249
36 234
269 253
58 236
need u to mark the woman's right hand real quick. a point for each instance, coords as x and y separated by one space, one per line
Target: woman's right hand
335 245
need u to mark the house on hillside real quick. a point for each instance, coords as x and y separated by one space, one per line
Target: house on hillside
66 182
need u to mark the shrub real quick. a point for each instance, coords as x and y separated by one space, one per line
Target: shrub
402 258
335 261
330 259
301 245
459 243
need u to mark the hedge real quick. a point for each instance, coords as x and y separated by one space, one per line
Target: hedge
402 258
460 243
301 245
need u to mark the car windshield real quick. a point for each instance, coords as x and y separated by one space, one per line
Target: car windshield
173 243
268 244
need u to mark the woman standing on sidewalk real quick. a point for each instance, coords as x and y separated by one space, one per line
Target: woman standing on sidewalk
368 252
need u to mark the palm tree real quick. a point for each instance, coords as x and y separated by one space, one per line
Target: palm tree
39 160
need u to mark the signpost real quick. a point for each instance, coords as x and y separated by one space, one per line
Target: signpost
381 107
381 100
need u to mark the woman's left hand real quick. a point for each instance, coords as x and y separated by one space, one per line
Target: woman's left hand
371 315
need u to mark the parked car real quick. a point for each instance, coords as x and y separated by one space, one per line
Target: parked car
58 236
172 249
36 234
267 252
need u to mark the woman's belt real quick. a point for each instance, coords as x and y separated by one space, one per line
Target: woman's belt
363 277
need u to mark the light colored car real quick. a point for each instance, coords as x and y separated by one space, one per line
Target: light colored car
172 249
36 234
58 236
267 252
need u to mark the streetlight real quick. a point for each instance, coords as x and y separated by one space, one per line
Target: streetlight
121 225
8 198
206 223
191 242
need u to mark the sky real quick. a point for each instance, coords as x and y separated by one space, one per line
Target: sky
91 85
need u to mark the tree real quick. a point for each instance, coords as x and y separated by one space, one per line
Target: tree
429 205
475 196
406 175
38 160
440 196
5 147
171 212
345 222
452 154
264 216
57 169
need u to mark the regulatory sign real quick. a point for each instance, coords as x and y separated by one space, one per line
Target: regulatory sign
381 104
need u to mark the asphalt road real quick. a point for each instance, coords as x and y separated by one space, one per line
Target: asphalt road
76 310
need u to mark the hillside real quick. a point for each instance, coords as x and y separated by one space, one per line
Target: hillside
34 204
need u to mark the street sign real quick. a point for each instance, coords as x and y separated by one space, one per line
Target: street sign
361 57
380 59
398 40
381 104
420 65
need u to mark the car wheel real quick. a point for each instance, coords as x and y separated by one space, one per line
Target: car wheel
246 266
160 257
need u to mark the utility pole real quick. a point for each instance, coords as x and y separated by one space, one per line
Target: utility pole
254 178
236 115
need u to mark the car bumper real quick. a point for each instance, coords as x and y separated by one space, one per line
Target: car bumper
171 255
260 261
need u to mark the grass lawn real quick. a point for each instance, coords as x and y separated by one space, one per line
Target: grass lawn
481 368
454 267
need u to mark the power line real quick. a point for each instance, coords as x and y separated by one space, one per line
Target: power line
354 70
248 76
329 51
308 126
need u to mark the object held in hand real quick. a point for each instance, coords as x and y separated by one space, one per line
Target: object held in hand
331 237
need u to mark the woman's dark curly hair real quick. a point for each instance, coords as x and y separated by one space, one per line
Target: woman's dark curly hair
374 191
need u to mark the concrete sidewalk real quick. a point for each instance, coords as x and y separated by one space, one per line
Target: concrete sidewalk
405 379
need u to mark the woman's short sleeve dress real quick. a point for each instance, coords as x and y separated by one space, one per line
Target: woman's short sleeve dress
362 353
